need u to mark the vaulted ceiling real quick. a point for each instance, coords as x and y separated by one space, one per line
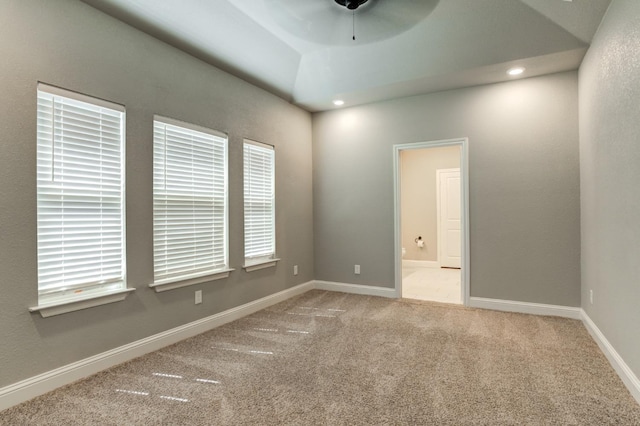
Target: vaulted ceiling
303 50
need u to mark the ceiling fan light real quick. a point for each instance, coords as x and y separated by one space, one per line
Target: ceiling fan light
351 4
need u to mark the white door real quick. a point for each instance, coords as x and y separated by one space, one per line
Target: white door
449 231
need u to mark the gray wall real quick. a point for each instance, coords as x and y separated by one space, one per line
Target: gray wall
419 201
69 44
524 185
610 179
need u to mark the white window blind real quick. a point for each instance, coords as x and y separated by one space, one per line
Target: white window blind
259 202
189 201
80 177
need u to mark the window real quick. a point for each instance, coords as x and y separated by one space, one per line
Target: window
189 204
80 178
259 204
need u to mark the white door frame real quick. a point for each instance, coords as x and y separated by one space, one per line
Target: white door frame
464 201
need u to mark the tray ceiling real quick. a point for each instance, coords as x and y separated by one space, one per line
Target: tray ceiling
303 51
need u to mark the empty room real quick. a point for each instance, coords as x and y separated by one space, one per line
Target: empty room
234 211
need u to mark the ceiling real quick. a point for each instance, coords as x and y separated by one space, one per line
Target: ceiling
304 52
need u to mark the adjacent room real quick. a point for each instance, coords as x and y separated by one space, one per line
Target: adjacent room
327 212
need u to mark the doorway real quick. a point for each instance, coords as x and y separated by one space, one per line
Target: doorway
431 201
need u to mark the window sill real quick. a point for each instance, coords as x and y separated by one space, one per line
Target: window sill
59 308
269 263
170 285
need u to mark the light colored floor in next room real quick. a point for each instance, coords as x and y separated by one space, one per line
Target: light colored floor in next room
432 284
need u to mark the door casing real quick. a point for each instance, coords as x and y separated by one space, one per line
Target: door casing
464 205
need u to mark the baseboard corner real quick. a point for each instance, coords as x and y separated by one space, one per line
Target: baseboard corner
627 376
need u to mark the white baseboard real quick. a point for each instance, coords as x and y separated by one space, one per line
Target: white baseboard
630 380
42 383
420 263
627 376
355 289
525 307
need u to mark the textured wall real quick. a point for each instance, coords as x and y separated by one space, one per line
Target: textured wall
524 185
419 197
71 45
610 179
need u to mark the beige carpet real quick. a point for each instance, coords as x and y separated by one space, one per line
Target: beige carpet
333 358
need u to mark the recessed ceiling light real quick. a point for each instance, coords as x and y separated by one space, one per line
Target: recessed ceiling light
338 102
515 71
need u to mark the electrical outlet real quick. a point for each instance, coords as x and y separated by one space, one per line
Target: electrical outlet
591 296
356 270
295 269
198 297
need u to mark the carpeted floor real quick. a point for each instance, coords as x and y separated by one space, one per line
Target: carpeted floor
333 358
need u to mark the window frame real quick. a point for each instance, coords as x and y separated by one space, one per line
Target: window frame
260 261
77 176
163 282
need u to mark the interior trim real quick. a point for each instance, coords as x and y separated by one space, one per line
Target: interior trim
525 307
76 305
164 286
368 290
630 380
465 269
34 386
269 263
42 383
